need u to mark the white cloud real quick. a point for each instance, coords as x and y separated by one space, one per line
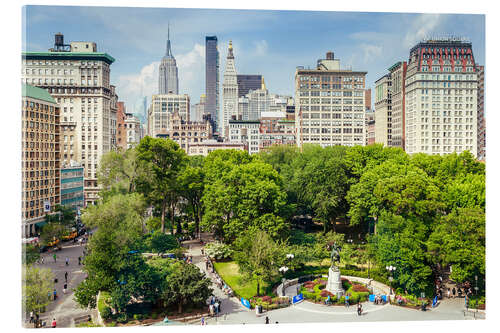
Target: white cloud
260 48
371 52
421 28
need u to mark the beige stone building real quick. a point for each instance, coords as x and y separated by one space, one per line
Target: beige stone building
40 162
441 98
330 104
161 107
398 79
185 133
206 147
78 77
383 110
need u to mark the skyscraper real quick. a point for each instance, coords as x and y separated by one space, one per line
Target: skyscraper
229 91
168 81
441 98
212 77
247 83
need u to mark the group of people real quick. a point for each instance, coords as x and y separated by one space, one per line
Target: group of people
378 300
214 308
218 281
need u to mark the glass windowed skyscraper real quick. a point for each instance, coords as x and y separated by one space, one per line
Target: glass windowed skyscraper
212 77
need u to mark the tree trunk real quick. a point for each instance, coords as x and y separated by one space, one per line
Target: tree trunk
196 220
258 288
179 308
163 209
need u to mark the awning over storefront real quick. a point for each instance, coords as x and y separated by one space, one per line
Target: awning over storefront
40 224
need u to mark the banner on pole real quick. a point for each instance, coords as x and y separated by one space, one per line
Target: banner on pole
245 303
297 299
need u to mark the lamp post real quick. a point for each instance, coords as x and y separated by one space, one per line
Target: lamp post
476 287
283 270
390 269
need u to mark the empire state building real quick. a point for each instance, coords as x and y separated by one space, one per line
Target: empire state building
168 81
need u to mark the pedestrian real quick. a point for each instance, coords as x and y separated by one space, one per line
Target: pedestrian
67 261
79 261
454 291
37 320
267 320
347 301
448 293
54 323
360 309
202 251
32 317
211 310
66 276
202 321
42 260
216 306
65 288
55 257
55 294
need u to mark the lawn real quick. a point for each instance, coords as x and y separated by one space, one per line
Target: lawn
229 272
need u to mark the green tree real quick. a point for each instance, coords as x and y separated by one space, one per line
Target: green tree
192 183
162 243
118 172
162 161
459 240
37 285
30 254
247 195
186 285
52 231
258 257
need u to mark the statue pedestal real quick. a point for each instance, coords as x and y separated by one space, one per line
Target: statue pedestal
334 284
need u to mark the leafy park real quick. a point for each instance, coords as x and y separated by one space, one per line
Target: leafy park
422 214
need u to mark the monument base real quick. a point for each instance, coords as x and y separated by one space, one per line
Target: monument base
334 284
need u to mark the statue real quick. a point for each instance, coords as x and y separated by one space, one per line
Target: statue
335 254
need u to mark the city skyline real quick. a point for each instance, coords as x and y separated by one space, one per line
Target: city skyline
261 45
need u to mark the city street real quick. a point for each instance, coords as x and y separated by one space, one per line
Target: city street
64 309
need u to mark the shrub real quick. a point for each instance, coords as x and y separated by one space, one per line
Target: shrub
359 288
154 315
308 295
318 298
273 306
137 316
218 250
122 318
266 299
112 324
326 293
106 313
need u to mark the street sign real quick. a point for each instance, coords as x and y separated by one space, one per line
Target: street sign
46 206
245 303
297 299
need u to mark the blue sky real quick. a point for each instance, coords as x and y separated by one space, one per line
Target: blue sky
271 43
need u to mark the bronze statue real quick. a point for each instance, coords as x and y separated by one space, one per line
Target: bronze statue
335 254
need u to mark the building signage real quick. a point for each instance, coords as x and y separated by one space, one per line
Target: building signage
46 206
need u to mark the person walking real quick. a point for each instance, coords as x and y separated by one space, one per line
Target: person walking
79 261
42 260
32 317
54 323
55 294
454 291
347 301
202 321
67 261
448 293
267 320
65 288
66 276
55 257
360 309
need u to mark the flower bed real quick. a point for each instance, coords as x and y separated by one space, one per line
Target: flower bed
314 291
269 303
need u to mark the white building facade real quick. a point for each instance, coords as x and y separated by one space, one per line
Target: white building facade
79 79
330 105
161 107
246 132
133 130
229 92
441 98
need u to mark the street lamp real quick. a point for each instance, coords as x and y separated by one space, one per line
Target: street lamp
476 287
283 270
390 269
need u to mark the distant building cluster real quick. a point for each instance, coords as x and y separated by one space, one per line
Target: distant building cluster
431 103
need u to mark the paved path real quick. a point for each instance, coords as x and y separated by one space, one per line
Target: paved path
64 309
234 313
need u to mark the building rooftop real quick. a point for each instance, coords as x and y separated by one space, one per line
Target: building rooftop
37 93
69 55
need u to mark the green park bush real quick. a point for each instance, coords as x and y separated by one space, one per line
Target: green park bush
122 318
106 313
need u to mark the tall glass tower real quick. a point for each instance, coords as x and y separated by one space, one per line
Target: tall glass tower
212 78
168 81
